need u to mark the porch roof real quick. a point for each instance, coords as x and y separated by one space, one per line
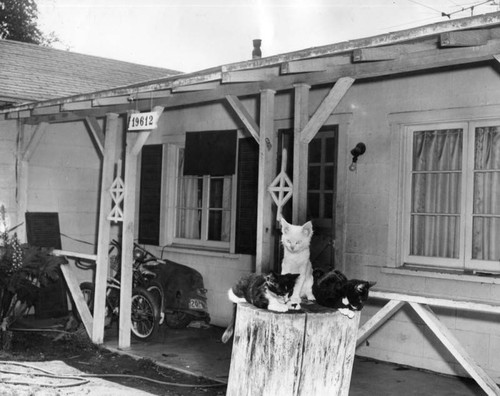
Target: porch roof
454 42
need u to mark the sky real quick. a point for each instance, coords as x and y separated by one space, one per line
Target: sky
193 35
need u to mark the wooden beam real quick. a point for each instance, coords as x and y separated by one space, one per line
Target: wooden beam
326 108
469 38
102 262
244 116
46 110
22 175
82 105
197 87
34 141
440 302
378 319
74 288
249 74
267 171
129 206
96 133
126 99
300 154
314 65
161 93
453 345
375 54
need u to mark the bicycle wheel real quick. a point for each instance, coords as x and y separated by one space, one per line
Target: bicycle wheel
156 289
87 289
145 314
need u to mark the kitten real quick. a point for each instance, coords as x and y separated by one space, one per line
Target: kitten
270 292
333 289
295 240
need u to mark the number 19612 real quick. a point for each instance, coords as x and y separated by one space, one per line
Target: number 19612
141 121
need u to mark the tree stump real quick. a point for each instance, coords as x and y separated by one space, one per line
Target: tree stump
310 352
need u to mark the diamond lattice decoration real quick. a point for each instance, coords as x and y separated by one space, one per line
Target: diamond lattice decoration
281 187
117 192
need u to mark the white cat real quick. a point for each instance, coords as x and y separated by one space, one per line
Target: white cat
296 240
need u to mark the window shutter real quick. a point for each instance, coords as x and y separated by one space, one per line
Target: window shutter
210 153
150 194
246 208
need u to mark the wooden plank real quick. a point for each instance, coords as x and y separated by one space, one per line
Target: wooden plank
34 141
46 110
112 100
24 114
453 345
378 319
162 93
467 38
315 64
244 116
129 207
96 133
79 300
81 105
197 87
22 182
326 108
440 302
375 54
14 115
267 170
86 256
249 75
102 264
300 154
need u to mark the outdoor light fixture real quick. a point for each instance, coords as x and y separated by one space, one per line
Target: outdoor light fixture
356 152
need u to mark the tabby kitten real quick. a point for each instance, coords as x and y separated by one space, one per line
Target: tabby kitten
296 240
270 292
333 289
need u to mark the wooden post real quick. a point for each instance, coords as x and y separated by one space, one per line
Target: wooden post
102 265
292 354
300 155
267 171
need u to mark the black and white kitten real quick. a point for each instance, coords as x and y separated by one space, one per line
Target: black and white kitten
271 291
332 289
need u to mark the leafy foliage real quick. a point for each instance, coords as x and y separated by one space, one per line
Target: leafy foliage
19 22
24 269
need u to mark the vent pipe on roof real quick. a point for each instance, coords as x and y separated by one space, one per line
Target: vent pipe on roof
256 53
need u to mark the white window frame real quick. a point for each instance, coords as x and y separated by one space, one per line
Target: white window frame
464 261
172 177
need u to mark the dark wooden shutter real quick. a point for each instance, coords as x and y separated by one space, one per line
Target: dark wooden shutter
210 153
150 195
246 209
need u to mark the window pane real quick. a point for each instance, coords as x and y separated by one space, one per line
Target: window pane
313 177
315 150
485 238
435 236
313 205
189 207
436 193
437 150
218 225
328 206
330 149
216 192
486 205
329 177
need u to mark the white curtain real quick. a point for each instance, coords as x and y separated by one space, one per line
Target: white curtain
486 206
436 186
188 204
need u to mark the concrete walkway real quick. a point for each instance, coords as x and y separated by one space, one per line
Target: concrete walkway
199 351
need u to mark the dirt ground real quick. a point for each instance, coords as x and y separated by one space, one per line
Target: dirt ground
57 351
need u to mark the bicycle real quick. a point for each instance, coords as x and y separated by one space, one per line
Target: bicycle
145 311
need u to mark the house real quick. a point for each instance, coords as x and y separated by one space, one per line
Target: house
30 73
418 212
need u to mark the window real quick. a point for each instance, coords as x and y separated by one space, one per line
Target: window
204 210
321 175
452 195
